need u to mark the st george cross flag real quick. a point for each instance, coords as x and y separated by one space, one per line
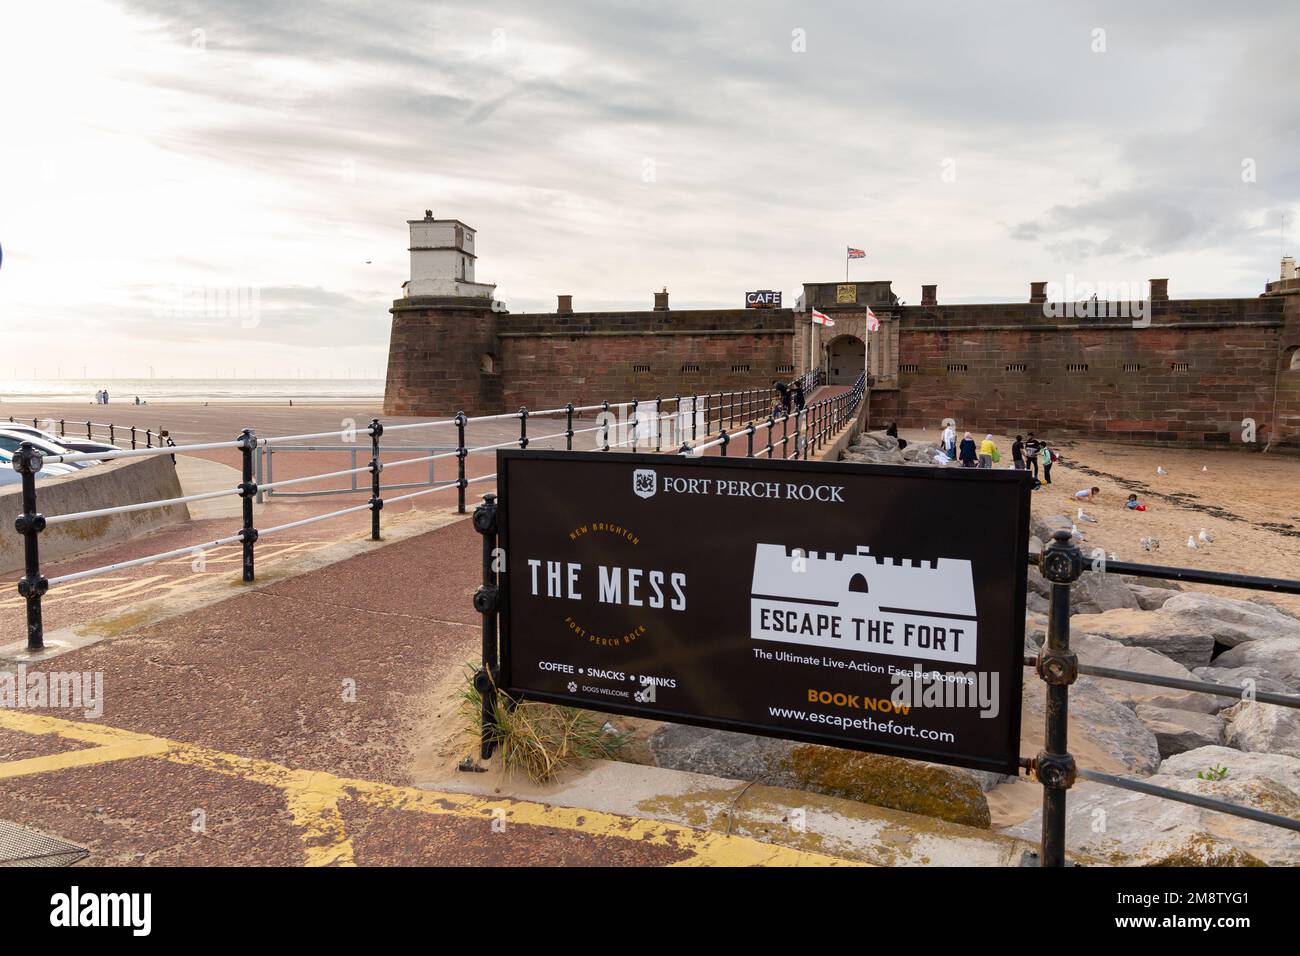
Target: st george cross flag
822 319
857 253
873 323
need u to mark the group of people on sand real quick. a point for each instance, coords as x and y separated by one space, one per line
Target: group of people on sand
1033 454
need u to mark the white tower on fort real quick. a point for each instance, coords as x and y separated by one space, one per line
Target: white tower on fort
442 259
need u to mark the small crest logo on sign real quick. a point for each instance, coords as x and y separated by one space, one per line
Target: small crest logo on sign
644 481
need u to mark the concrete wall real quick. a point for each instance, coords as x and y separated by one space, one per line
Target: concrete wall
123 482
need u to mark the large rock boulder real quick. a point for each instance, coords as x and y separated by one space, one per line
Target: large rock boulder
1248 766
1180 730
1104 733
881 439
1125 828
1263 728
1246 678
1103 652
914 786
1276 656
1229 620
1189 846
876 456
933 790
1093 593
1149 598
1181 639
1096 592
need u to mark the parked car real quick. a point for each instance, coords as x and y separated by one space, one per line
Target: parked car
10 440
53 470
64 441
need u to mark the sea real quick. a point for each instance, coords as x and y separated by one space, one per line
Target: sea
124 391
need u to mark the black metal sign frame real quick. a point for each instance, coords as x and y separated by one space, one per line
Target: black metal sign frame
989 494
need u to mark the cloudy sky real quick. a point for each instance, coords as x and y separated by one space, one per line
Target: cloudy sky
204 186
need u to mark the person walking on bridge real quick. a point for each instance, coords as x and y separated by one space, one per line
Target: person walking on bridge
783 390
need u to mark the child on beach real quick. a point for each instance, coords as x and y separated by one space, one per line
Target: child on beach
1133 505
1087 494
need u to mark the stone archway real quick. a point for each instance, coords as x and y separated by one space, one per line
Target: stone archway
846 357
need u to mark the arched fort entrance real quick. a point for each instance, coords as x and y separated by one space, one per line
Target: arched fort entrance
846 357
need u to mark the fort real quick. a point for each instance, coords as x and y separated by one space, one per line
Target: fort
1185 371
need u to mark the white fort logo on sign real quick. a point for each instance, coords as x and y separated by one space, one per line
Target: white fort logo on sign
857 602
645 482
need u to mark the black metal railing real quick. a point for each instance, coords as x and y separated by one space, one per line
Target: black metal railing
1061 563
108 432
691 423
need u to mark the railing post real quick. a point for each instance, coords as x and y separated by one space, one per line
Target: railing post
1061 563
257 473
89 434
461 455
634 426
659 422
726 440
771 423
112 434
63 431
785 435
247 491
708 413
523 426
27 462
568 437
132 435
486 601
148 438
798 438
376 466
605 415
749 435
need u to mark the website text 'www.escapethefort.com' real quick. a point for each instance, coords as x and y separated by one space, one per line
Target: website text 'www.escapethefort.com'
870 724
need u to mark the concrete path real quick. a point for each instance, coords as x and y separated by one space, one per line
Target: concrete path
201 475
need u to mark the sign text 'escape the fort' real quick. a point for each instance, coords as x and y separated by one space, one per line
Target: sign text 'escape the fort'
873 607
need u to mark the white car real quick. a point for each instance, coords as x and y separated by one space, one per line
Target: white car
10 440
78 445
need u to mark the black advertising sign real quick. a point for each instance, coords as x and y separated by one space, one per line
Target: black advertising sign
763 299
874 607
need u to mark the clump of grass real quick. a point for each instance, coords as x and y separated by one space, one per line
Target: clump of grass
538 739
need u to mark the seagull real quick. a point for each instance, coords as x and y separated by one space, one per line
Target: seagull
1160 471
1191 543
1205 536
1084 516
1150 544
1076 533
1203 468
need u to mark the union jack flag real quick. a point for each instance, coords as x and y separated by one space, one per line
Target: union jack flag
857 253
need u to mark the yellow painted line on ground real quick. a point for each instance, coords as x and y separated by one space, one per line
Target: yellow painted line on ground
88 757
313 799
